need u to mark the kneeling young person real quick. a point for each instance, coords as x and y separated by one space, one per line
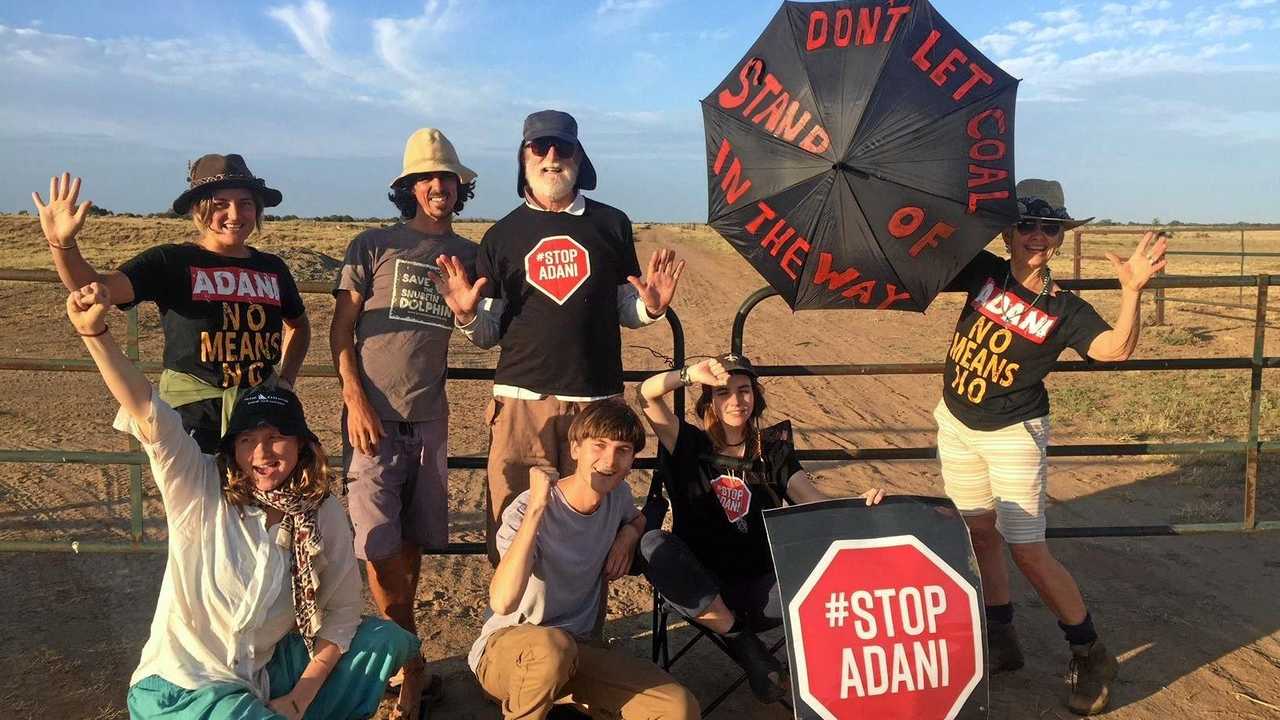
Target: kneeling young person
557 541
259 611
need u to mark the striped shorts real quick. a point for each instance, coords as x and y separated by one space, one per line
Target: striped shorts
1002 470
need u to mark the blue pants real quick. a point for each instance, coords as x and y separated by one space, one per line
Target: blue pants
351 691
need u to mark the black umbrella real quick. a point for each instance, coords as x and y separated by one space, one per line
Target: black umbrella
860 154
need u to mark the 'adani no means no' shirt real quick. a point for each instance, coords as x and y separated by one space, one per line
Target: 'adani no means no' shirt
222 316
1005 342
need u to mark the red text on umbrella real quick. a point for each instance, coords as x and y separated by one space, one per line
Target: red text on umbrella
779 116
987 130
843 30
940 72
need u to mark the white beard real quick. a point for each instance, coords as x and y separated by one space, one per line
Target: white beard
556 187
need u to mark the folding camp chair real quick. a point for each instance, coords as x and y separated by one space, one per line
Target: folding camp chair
655 509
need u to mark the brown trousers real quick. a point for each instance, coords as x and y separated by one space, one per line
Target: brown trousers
529 668
523 434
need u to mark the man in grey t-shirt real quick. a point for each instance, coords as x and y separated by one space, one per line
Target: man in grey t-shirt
390 343
558 540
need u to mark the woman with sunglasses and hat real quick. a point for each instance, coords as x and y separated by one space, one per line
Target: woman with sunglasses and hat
232 316
715 566
993 421
259 611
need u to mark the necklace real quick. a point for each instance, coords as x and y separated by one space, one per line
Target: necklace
1046 282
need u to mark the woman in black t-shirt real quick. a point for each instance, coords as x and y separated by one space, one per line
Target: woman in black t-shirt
993 424
715 566
230 314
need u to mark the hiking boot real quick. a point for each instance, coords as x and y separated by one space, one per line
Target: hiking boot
1089 676
1003 652
765 675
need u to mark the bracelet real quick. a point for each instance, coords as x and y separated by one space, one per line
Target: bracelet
105 329
684 376
70 246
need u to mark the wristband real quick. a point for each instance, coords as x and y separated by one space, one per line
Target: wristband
105 329
684 376
69 246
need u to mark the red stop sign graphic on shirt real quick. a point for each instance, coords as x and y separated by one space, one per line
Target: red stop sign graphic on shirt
557 266
734 496
884 628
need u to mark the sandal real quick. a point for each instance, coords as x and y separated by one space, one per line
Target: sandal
431 695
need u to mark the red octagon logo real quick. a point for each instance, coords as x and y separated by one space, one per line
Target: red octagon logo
557 266
884 628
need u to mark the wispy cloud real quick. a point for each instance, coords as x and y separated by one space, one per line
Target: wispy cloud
613 16
310 24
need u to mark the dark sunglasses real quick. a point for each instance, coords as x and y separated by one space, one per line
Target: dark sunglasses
564 149
1050 228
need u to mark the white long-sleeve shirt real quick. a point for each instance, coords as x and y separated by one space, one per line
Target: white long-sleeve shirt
226 598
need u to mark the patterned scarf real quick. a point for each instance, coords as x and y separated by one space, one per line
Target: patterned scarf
299 525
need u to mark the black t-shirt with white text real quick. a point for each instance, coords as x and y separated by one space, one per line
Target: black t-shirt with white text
716 507
1005 343
559 274
222 316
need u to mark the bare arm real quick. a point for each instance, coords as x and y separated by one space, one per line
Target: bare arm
623 551
61 220
1121 340
87 308
511 577
294 704
800 489
294 345
653 397
364 428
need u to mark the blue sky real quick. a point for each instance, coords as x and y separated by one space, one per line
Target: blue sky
1146 109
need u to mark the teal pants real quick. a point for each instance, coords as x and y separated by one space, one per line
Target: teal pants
351 691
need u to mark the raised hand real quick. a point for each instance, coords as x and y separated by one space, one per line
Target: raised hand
659 284
87 308
61 219
1147 260
541 479
709 372
459 293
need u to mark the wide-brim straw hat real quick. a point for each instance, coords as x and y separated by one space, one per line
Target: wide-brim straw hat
216 172
1044 200
428 150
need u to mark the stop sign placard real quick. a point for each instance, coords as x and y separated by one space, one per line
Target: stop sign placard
884 628
557 266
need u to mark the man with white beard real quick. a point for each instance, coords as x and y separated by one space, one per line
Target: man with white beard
554 280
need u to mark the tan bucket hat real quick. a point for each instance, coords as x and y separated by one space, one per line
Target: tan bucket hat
428 150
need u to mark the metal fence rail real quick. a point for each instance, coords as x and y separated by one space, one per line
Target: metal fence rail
1250 447
135 459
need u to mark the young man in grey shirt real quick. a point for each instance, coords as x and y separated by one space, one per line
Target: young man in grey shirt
557 540
390 343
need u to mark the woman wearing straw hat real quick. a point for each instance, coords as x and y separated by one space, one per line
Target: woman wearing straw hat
231 315
993 421
259 613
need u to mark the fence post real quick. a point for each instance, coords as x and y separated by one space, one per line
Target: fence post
135 471
1241 300
1253 450
1075 261
1159 301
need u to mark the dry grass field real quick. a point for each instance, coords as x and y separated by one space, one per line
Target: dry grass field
1194 618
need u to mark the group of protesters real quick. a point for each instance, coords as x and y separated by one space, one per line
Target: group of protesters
260 609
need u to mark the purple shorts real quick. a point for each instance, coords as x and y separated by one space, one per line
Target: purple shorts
402 493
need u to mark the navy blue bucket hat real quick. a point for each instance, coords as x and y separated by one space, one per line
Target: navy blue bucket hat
562 126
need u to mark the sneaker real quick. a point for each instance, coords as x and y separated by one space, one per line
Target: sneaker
1004 654
765 675
1089 676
